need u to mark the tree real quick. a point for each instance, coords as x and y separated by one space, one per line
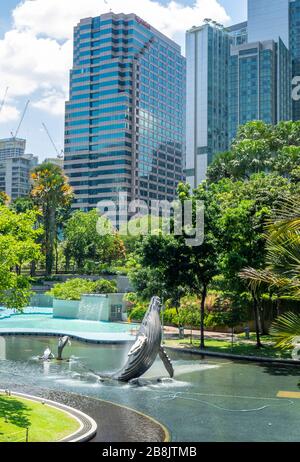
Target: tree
4 198
22 204
83 243
50 191
244 208
260 147
18 247
184 268
282 268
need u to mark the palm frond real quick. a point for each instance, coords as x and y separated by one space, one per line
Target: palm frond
285 330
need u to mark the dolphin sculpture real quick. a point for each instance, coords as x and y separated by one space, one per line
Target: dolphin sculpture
62 342
146 347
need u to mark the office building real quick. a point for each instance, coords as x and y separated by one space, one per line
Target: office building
207 49
15 167
268 20
238 33
125 119
241 73
260 76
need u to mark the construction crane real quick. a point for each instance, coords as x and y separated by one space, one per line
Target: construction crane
60 155
4 99
21 121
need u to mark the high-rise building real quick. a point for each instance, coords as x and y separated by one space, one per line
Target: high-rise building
125 119
15 167
268 20
260 76
250 67
207 49
238 33
295 47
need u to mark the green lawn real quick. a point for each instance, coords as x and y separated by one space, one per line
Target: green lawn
238 348
45 423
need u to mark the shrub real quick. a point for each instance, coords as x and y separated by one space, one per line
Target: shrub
72 289
171 317
131 299
102 286
138 313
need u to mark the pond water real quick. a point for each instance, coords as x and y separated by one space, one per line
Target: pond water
208 399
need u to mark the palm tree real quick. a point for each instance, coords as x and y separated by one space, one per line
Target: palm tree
50 191
282 272
4 198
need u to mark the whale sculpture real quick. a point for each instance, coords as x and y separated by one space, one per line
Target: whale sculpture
146 347
62 342
47 355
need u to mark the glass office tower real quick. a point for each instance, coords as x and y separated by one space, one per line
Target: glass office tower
207 50
260 77
268 20
295 47
125 120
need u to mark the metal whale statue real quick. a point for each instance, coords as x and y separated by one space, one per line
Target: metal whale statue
146 347
47 355
62 343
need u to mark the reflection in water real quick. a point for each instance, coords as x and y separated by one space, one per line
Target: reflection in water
2 348
208 400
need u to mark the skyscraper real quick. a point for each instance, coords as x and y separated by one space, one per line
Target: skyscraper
295 47
207 49
250 67
125 120
259 84
15 167
268 20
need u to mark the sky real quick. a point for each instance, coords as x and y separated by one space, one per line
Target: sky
36 53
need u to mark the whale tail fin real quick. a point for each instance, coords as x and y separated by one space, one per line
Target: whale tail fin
167 361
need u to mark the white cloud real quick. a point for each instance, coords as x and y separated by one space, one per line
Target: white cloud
36 54
56 18
52 102
9 114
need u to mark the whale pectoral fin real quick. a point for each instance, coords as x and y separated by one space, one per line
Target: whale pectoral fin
167 362
140 342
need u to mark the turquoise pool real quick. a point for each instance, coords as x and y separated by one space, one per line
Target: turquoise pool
210 400
41 321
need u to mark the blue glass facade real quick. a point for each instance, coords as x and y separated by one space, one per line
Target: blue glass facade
124 128
295 47
260 76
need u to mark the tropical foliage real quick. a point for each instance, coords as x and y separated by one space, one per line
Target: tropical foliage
282 271
18 247
73 289
50 192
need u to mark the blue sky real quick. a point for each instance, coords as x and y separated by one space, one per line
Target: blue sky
34 42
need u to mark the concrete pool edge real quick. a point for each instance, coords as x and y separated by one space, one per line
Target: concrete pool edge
256 359
98 339
87 426
107 416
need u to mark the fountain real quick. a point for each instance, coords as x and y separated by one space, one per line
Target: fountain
62 343
146 347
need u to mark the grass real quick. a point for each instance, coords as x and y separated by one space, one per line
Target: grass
45 423
239 347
